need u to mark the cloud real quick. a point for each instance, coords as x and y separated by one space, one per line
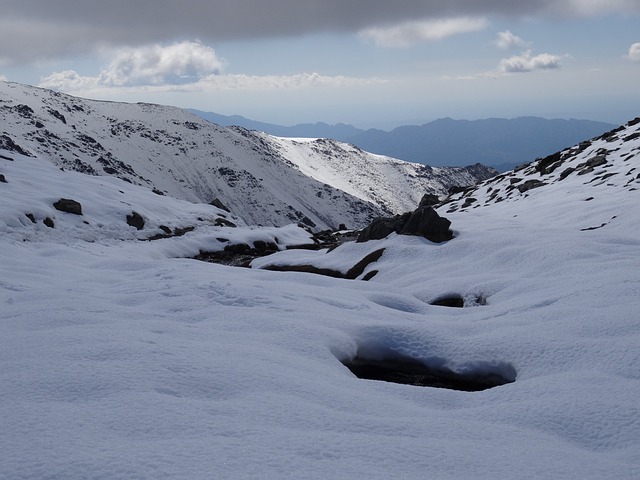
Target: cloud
634 52
179 63
410 33
182 62
35 29
527 62
507 40
71 82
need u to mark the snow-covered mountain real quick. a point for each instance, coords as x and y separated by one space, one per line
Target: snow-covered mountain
263 179
124 358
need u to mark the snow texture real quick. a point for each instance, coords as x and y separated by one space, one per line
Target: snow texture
124 358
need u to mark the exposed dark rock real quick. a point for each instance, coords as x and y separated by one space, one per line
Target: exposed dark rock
8 144
4 157
178 232
597 161
429 200
328 239
24 110
58 115
69 206
566 172
549 164
353 273
469 201
357 270
135 220
327 272
530 184
223 222
370 275
424 222
238 255
2 178
237 249
217 203
31 217
265 248
48 222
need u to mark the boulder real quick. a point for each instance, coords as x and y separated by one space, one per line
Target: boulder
424 222
135 220
69 206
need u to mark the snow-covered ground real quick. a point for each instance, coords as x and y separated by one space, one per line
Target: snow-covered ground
124 358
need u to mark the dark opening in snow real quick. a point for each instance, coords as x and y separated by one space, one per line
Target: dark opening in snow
449 301
456 300
411 371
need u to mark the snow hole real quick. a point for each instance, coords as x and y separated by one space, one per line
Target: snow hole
390 366
455 300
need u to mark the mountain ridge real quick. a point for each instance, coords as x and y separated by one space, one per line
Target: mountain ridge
498 142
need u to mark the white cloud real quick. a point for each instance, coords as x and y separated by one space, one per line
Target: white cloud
527 62
69 81
3 78
634 52
183 62
507 40
410 33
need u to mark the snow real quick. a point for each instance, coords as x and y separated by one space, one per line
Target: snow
127 359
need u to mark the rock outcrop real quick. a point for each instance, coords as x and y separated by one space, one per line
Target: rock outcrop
424 222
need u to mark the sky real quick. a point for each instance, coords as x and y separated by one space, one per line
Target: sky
370 63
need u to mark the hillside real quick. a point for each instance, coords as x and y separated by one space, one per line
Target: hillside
123 357
179 154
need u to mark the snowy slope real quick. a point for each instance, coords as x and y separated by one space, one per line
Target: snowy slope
125 359
178 153
378 179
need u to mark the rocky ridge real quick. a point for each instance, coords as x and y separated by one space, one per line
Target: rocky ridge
607 161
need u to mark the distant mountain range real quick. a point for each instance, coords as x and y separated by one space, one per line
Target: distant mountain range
497 142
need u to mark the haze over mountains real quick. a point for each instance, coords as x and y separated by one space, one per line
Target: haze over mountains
496 142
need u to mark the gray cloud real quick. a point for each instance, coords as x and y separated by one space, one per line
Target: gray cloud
34 29
527 62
